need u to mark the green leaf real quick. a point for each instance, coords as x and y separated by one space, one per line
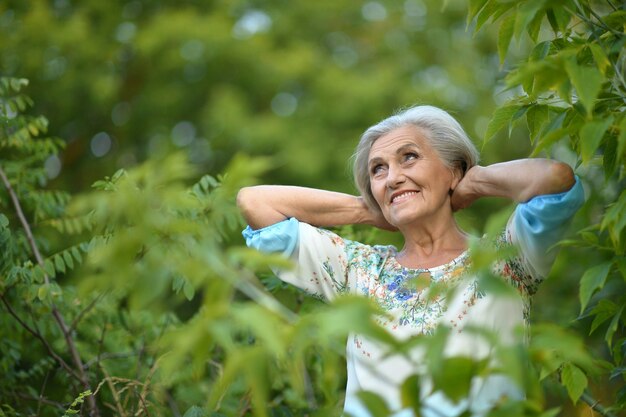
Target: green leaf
195 411
497 220
604 310
77 255
613 326
33 129
501 117
38 273
564 89
602 61
616 20
410 393
18 83
505 34
374 403
621 140
536 118
574 380
591 135
587 81
4 221
609 157
188 290
540 51
548 140
43 292
59 264
621 266
554 345
553 412
552 133
474 7
68 260
21 102
489 10
614 220
563 17
526 13
590 238
592 280
455 376
534 26
13 106
48 267
492 284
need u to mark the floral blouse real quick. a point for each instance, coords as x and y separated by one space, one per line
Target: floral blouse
418 301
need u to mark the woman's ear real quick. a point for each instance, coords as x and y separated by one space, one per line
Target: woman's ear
457 176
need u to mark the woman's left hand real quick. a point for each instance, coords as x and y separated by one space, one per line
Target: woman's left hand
465 192
518 180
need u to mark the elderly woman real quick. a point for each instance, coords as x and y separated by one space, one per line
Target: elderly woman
413 170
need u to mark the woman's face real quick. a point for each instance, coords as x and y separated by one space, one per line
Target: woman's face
408 179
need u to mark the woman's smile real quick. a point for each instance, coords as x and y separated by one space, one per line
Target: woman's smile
401 196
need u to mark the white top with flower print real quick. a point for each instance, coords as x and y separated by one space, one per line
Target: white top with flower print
328 265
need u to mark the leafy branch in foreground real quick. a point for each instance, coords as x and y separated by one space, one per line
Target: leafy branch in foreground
26 155
573 96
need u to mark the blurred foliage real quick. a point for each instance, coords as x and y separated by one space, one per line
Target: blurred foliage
140 291
130 79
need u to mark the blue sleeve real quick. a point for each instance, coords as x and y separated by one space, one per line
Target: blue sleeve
279 237
318 255
541 222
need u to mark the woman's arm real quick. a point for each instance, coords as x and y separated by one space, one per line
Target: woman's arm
518 180
265 205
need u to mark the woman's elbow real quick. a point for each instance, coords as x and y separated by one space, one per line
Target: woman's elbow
257 205
562 176
245 201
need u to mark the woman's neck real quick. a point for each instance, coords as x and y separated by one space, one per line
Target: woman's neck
428 246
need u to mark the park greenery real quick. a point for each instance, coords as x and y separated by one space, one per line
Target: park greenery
127 128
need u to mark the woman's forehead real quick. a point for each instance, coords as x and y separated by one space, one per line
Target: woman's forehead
398 138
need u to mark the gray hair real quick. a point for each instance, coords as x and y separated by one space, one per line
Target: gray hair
443 132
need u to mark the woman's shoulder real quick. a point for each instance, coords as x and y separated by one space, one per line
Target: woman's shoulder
355 252
350 244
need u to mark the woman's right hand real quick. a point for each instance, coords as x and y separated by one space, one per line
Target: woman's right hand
376 218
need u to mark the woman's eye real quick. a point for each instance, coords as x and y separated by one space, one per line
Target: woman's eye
410 156
377 169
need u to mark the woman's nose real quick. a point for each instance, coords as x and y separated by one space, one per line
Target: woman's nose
395 177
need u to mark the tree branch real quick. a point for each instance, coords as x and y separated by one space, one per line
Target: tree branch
601 23
25 225
612 5
43 390
41 400
38 335
116 396
84 311
107 355
595 405
78 363
101 341
172 404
